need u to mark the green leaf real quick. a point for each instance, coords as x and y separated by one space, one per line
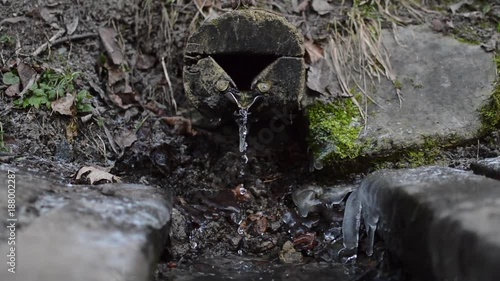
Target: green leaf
10 78
85 108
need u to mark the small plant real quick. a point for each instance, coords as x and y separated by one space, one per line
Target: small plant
2 143
10 78
51 87
6 40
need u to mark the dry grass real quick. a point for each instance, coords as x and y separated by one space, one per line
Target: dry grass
355 49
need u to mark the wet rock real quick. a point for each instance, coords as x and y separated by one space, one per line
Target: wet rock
312 198
488 167
441 223
69 232
288 254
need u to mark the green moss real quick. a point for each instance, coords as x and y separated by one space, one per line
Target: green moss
490 112
334 129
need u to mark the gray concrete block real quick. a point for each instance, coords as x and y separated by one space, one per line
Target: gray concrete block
489 167
97 233
442 223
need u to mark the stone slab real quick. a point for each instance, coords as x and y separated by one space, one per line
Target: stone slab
489 167
441 223
97 233
443 83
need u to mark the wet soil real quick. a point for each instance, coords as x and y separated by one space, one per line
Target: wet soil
223 207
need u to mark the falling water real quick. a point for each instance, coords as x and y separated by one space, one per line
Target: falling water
242 121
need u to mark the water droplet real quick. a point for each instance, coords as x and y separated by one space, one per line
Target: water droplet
243 191
318 165
240 252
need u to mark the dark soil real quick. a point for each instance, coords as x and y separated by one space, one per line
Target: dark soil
223 207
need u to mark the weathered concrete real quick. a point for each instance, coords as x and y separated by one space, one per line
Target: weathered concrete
442 223
444 84
488 167
64 232
247 56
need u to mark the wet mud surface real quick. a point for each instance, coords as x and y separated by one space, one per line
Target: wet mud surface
241 216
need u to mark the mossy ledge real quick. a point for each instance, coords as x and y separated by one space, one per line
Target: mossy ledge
334 130
490 112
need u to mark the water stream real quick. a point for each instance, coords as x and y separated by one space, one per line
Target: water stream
242 120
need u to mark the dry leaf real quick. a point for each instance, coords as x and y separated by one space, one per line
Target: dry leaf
112 49
144 62
322 79
26 73
182 126
314 51
12 90
322 7
302 6
71 27
125 138
95 175
204 3
64 106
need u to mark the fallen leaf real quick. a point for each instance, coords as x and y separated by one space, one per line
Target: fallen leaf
302 6
110 45
64 106
95 175
322 7
314 51
71 26
204 3
144 62
12 90
322 79
125 138
26 73
182 126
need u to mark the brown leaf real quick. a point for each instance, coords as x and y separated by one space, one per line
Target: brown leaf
182 126
125 138
302 6
12 90
71 26
110 45
26 73
204 3
64 106
145 62
322 79
314 51
95 175
322 7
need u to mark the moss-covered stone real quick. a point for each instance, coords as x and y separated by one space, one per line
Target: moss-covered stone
334 130
490 112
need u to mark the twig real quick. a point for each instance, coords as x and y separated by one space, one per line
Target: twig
172 98
44 46
74 38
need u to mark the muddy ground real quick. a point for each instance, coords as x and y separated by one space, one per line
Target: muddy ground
125 124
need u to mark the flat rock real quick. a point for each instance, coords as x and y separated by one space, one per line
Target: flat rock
77 232
442 223
444 83
489 167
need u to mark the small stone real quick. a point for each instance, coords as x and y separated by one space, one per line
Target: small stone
288 254
488 167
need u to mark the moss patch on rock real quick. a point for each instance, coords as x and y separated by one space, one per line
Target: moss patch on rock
334 130
490 112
